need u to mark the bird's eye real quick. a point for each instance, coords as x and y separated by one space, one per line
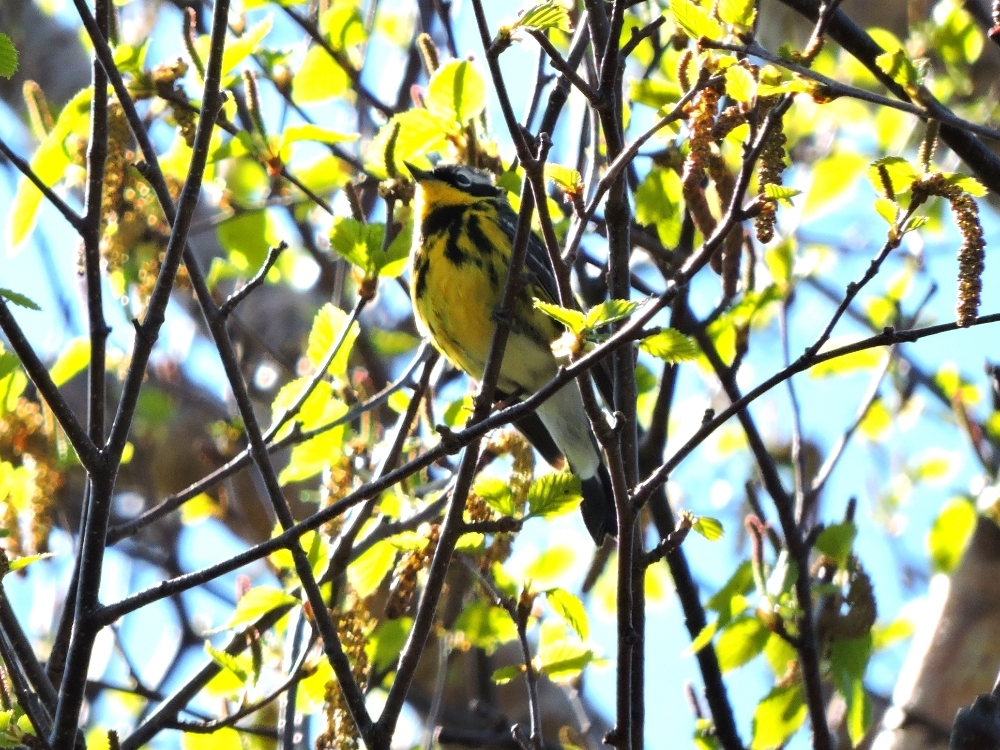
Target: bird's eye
462 180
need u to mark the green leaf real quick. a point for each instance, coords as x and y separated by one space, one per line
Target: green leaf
73 359
319 78
387 641
695 20
657 202
49 164
740 641
551 14
887 635
485 627
836 542
237 51
505 674
710 528
566 179
328 327
16 298
780 192
560 654
228 661
574 320
848 662
610 311
456 92
554 494
670 345
571 609
901 175
950 533
497 494
19 563
888 210
247 236
740 83
8 57
310 132
832 177
420 132
367 572
654 93
703 638
737 12
780 261
970 185
257 602
551 567
730 600
778 716
899 68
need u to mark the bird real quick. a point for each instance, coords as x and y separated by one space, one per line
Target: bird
462 240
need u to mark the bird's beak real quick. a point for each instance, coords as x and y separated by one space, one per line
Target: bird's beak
418 174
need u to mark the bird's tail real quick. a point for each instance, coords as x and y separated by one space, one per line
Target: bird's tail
598 506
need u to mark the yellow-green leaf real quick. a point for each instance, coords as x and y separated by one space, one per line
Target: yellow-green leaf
319 78
367 572
610 311
456 92
695 20
257 602
853 362
327 331
740 641
237 51
737 12
670 345
551 14
778 716
950 533
710 528
571 609
554 494
574 320
73 359
740 84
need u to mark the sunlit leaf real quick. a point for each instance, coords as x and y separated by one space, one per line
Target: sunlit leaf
456 92
574 320
238 50
328 327
670 345
740 641
505 674
225 738
319 78
554 494
865 359
900 172
485 627
710 528
551 14
695 20
19 563
367 572
571 609
551 566
778 716
657 202
740 83
832 177
610 311
950 532
737 12
257 602
497 494
73 359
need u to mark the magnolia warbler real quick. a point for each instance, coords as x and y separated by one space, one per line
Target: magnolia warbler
463 230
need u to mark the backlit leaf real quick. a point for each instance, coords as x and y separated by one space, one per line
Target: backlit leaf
950 533
670 345
456 92
695 20
554 494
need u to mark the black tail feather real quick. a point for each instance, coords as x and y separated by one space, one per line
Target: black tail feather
598 506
